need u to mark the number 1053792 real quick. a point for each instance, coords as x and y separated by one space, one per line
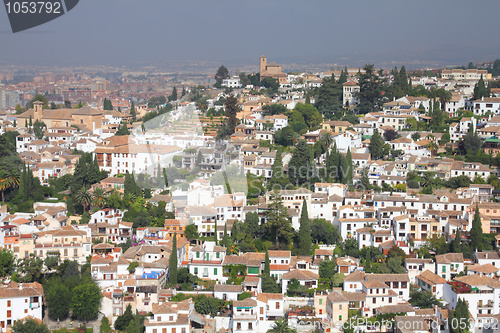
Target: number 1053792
33 7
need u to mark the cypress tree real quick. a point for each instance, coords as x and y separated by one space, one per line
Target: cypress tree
215 232
349 170
173 97
376 146
476 232
304 235
278 177
225 238
267 266
172 265
456 243
183 91
132 111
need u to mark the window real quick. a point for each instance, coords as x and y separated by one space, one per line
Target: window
158 318
215 271
173 329
197 254
9 313
340 307
8 304
238 326
261 310
320 301
196 270
277 305
250 327
217 255
25 310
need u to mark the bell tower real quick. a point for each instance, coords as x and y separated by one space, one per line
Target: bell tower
37 111
263 64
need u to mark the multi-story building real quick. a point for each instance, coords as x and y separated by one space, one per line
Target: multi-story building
20 300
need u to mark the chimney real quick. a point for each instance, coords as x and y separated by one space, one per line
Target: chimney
482 98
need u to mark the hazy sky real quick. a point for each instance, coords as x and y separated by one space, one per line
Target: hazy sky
116 32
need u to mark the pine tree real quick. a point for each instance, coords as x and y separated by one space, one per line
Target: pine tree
172 265
304 235
476 232
183 91
278 226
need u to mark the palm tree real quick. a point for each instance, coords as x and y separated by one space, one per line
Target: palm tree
4 183
98 198
281 326
83 196
9 179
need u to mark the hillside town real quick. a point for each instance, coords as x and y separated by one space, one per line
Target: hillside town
350 200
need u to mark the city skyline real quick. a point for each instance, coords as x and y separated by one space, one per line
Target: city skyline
236 33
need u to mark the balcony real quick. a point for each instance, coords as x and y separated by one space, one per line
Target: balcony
239 315
485 304
34 305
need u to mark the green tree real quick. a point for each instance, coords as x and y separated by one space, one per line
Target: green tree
370 91
423 299
301 168
29 326
130 187
57 298
267 266
86 301
329 98
281 326
459 318
221 74
122 130
133 113
480 90
304 235
456 245
105 326
311 115
123 320
7 261
191 232
327 269
278 226
376 146
172 265
231 107
208 305
324 232
173 96
252 224
476 232
39 129
83 197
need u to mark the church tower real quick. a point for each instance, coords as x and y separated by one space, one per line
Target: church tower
263 64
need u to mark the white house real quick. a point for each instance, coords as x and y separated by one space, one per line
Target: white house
19 300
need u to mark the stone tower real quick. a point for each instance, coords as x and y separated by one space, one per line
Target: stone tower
263 64
37 110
